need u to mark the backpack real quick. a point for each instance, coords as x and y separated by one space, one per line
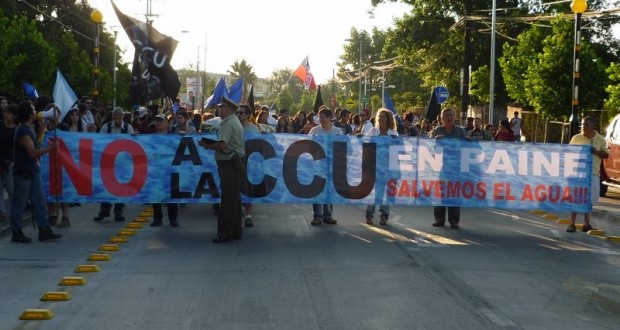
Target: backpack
123 130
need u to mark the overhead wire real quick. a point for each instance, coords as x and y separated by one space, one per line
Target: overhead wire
56 20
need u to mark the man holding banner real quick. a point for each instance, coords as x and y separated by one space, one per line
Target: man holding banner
448 130
322 213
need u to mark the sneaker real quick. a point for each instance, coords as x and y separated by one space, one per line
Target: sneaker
156 223
19 237
330 221
249 222
586 228
46 234
571 229
316 221
101 216
369 219
174 223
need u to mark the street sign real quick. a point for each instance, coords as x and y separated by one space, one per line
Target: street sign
442 94
350 103
364 99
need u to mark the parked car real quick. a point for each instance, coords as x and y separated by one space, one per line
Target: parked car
610 167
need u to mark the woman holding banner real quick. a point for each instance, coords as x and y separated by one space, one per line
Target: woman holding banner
385 125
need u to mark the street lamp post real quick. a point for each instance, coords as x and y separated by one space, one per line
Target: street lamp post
97 17
492 64
359 76
114 74
578 7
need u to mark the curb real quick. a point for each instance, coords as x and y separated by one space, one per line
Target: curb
610 218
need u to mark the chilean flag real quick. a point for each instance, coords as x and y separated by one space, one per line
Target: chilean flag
303 73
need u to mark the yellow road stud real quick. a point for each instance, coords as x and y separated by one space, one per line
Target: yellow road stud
141 220
596 232
134 225
126 232
578 226
550 216
118 239
613 238
87 269
99 257
537 212
72 281
110 247
563 221
37 314
56 296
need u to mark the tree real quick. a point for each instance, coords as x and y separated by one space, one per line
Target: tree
285 100
26 56
242 70
480 85
613 89
538 70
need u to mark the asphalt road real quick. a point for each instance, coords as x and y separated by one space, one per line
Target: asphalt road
501 270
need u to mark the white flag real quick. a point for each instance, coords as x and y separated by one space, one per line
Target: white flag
63 95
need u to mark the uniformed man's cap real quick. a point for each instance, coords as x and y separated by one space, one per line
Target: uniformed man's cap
228 102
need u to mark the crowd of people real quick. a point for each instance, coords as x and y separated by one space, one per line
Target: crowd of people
23 125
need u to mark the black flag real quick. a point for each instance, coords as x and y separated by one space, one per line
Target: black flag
434 108
251 99
318 102
152 75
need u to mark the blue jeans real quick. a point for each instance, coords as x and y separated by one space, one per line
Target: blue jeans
28 189
323 211
384 210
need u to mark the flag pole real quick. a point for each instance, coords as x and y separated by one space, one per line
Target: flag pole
281 90
285 84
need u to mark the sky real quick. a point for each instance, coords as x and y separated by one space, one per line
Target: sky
269 34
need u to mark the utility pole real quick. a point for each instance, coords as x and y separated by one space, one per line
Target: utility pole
467 59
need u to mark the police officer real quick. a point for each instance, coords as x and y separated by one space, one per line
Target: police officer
229 150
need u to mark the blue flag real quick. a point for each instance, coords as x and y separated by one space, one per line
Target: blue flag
389 104
30 91
64 97
216 95
175 107
236 91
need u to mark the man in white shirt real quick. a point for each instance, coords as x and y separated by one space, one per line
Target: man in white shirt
322 213
88 119
365 123
515 124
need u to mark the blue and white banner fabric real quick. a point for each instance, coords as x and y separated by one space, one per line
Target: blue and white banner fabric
294 168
